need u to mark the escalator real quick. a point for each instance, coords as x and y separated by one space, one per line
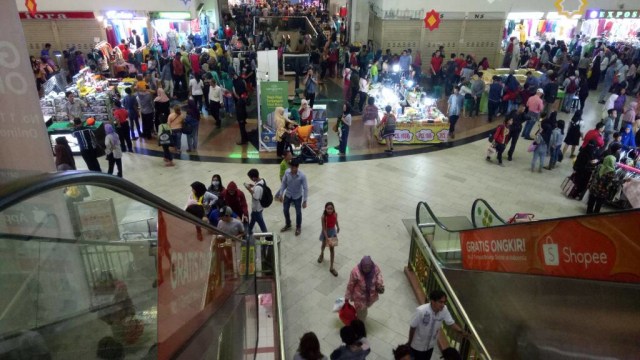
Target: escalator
566 288
94 267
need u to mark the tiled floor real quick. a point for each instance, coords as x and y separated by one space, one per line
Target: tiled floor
371 198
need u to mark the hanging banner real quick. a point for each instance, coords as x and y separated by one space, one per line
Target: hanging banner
600 247
273 94
31 6
55 15
432 20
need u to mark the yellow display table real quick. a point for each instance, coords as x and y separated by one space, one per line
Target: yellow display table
419 132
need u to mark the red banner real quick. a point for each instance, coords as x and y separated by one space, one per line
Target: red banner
603 247
56 15
190 281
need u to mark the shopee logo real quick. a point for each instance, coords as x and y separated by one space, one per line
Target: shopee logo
550 251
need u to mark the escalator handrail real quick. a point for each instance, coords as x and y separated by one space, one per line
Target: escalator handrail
489 207
451 295
433 216
25 188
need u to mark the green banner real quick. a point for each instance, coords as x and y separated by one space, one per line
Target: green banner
273 94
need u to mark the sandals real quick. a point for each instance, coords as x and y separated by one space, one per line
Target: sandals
333 272
320 258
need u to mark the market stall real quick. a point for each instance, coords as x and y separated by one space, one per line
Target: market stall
175 29
539 27
419 121
613 25
93 90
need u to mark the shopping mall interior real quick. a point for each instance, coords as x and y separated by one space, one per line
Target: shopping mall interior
96 266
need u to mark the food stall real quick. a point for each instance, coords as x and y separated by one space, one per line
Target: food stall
419 121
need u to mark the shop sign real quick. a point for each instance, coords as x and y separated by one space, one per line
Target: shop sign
124 15
485 16
612 14
56 15
420 133
596 248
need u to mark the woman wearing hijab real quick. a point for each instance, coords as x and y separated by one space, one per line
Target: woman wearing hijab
64 155
306 115
162 106
199 195
365 283
282 129
583 168
604 182
112 149
628 140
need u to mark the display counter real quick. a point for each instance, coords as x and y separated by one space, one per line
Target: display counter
419 121
65 129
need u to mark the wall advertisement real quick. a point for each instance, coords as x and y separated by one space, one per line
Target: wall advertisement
593 247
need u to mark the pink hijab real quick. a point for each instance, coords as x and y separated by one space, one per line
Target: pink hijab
162 96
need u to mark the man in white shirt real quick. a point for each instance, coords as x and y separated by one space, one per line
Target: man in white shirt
256 189
427 323
215 102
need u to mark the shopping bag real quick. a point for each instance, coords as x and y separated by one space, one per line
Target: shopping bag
347 314
521 217
491 150
568 186
532 147
338 304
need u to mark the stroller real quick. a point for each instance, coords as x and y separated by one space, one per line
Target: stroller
308 139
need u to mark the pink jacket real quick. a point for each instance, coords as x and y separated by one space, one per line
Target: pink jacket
356 288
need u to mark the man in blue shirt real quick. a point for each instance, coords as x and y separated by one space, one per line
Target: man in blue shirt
495 97
295 184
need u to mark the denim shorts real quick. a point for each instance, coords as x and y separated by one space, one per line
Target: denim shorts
330 231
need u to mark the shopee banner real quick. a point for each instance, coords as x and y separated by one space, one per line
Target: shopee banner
603 247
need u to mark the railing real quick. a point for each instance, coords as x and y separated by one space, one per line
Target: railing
91 263
483 215
426 269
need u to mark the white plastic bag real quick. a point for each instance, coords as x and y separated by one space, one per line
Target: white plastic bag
338 304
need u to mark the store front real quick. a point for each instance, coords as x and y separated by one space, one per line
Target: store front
176 29
539 27
121 25
614 25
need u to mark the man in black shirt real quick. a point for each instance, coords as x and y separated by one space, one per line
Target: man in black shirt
239 87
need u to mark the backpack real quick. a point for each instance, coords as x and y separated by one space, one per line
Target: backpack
164 138
267 196
188 125
355 79
572 87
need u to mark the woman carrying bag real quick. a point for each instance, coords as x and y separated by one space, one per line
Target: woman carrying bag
603 184
365 283
388 128
329 234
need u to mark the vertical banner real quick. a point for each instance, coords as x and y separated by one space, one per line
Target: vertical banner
603 247
273 94
24 143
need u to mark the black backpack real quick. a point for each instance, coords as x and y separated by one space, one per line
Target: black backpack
267 196
451 67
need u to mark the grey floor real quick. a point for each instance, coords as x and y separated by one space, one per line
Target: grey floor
372 197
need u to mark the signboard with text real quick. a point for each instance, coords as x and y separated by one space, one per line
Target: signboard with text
612 14
593 247
56 15
273 94
419 133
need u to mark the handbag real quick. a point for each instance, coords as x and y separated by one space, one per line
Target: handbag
347 314
491 149
532 147
330 241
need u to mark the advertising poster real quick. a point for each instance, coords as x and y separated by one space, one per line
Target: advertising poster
593 247
273 94
415 133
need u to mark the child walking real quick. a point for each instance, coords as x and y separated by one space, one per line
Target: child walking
330 229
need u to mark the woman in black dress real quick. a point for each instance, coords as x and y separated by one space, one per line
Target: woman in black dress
583 168
573 134
595 72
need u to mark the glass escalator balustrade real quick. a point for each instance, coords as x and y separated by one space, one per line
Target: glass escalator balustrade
87 272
